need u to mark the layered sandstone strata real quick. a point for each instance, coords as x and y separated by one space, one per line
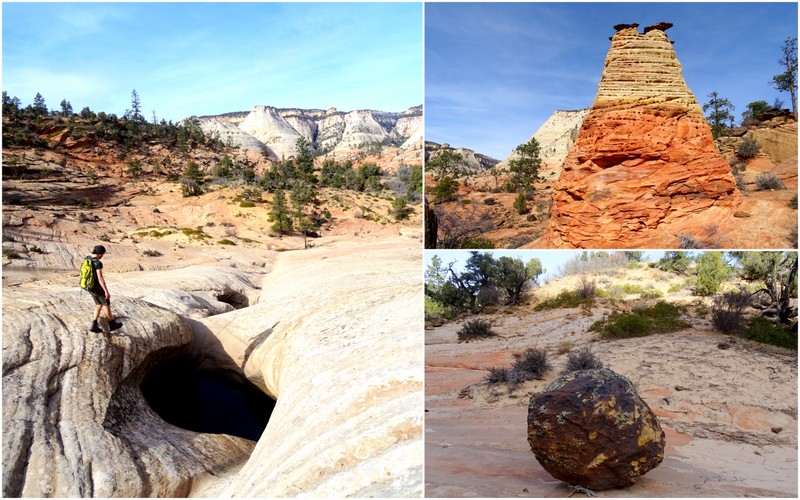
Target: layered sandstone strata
644 166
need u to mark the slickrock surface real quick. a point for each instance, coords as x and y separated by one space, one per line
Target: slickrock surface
74 420
345 366
644 166
718 407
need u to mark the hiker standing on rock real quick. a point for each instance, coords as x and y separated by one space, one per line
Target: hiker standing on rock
92 281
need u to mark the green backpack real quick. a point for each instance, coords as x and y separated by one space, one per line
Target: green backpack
87 274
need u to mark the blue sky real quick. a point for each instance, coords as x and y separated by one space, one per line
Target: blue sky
551 260
208 58
495 72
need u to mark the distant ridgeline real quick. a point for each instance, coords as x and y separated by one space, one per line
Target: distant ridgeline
277 130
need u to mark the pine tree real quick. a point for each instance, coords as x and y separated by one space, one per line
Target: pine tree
305 161
66 108
136 107
39 107
525 168
279 214
787 81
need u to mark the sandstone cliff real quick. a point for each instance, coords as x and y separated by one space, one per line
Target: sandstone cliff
556 137
268 126
644 166
471 162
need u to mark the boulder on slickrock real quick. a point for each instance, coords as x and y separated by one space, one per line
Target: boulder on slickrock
590 428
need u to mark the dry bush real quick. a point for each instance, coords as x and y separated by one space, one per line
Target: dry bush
475 329
727 313
582 359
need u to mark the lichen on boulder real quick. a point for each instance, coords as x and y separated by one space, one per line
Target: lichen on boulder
590 428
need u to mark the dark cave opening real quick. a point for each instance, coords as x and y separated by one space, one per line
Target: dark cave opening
237 300
200 400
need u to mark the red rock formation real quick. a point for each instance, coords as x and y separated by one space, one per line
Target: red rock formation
644 163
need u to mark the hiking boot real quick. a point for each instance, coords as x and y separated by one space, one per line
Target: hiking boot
114 325
95 327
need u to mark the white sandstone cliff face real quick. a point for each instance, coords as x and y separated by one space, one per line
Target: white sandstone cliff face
556 137
334 336
411 127
231 134
267 125
329 130
305 126
360 130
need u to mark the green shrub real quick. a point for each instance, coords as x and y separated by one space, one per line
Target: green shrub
582 359
674 262
659 318
712 270
631 288
521 204
477 243
446 189
400 209
765 331
748 148
475 329
226 241
134 169
767 180
246 204
194 233
191 187
11 254
651 293
152 253
565 299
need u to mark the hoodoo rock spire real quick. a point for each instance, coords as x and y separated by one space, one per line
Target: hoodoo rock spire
644 165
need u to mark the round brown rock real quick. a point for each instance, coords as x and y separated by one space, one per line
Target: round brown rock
590 428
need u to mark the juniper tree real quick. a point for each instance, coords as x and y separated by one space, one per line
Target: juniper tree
721 113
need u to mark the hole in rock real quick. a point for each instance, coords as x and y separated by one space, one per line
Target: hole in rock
236 299
200 400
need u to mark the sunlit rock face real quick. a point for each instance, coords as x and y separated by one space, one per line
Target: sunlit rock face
644 159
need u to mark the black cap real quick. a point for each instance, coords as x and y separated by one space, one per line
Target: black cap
99 249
